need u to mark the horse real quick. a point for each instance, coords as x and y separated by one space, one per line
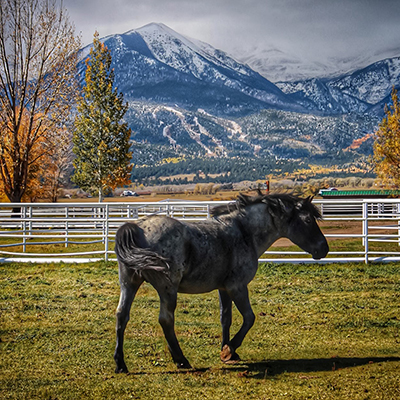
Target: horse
220 253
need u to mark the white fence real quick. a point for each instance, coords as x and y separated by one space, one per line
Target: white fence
84 232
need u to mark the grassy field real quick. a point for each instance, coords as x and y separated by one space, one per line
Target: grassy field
322 332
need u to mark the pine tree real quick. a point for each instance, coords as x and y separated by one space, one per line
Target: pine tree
101 138
386 156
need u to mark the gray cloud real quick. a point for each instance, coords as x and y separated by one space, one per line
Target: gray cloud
319 29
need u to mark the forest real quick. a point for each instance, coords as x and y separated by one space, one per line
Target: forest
226 170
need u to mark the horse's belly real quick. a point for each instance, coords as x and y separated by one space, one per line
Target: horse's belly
202 280
186 287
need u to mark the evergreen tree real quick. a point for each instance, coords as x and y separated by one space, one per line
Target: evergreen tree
101 138
387 145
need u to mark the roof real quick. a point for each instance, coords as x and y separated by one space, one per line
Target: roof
360 193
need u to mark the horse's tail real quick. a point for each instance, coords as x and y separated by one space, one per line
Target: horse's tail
130 248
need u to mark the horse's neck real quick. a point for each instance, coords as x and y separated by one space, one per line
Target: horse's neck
259 225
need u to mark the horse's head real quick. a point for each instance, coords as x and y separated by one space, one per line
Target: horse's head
297 220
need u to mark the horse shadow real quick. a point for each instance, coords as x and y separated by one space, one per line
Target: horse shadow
271 368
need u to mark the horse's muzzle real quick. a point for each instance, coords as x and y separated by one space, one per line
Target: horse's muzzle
321 250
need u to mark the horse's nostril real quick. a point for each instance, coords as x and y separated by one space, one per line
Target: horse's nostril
321 250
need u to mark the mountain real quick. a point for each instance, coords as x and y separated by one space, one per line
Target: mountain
279 66
363 91
188 100
156 64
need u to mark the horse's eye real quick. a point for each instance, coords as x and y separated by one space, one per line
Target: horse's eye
308 220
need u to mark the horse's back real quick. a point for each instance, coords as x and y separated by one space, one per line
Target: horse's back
161 232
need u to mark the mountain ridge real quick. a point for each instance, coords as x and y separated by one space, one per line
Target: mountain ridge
189 99
153 54
280 66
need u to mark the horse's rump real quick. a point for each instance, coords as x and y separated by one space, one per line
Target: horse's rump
131 249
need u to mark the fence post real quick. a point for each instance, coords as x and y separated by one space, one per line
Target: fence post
66 225
106 231
365 230
398 222
23 215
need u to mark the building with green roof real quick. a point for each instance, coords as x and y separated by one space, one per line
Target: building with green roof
333 193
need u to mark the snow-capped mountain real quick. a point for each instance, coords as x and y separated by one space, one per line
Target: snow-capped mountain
279 66
362 91
187 98
370 84
157 64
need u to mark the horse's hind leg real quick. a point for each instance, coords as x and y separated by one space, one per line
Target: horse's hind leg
129 288
241 299
168 298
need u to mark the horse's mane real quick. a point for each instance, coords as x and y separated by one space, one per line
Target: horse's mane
244 201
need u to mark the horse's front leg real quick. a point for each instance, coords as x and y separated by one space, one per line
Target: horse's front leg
225 305
129 289
241 299
168 298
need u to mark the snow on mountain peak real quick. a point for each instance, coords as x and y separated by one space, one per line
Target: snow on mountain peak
184 53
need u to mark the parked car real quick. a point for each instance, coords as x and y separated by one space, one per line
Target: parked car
128 193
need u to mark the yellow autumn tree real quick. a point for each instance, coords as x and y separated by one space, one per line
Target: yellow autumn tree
48 158
386 157
38 87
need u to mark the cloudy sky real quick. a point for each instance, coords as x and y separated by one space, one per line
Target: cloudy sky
318 29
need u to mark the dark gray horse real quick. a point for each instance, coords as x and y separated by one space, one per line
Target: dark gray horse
197 257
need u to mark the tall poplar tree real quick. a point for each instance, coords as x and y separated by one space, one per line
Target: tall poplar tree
101 138
387 145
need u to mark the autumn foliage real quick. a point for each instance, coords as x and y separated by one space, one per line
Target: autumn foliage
38 56
43 160
386 156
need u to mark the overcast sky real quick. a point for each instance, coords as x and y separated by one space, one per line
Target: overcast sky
315 28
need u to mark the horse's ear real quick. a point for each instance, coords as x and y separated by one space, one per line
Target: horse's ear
303 202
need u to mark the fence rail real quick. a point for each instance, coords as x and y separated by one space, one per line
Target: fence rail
358 230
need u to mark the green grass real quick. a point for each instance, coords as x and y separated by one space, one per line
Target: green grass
322 331
35 245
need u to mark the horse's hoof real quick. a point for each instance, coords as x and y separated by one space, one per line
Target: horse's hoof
121 370
229 356
184 365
